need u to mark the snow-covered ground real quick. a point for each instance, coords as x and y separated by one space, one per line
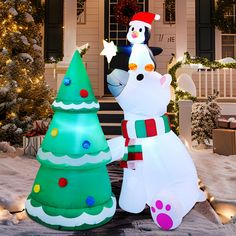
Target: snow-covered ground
217 173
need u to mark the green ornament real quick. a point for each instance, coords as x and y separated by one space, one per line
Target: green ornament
72 189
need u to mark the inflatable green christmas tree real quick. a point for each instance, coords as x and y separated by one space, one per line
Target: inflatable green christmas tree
72 190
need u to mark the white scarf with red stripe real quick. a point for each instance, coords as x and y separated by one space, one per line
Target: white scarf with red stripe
134 130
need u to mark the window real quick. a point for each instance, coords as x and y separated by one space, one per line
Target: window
169 12
229 45
229 40
231 13
81 12
53 33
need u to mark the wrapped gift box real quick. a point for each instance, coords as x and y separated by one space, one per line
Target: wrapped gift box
34 137
232 125
224 141
227 123
32 144
41 125
223 123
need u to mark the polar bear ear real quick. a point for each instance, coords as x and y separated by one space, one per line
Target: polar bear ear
165 80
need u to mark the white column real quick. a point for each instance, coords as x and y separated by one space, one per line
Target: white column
185 123
101 58
218 44
70 24
181 27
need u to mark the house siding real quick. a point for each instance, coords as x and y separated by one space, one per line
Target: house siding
191 29
92 32
163 35
89 33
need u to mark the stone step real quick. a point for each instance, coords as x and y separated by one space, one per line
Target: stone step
110 117
109 105
111 130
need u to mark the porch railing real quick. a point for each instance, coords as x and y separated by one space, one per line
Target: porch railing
209 80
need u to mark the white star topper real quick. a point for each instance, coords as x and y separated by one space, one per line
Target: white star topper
109 50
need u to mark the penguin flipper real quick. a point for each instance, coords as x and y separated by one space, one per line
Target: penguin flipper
120 61
156 50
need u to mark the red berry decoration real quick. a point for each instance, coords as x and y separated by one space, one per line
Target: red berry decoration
83 93
62 182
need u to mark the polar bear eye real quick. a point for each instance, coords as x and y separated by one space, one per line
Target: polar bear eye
140 30
132 28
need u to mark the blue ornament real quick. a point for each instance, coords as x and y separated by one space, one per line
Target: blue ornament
90 201
67 81
86 144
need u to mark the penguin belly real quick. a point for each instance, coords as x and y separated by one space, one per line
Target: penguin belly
140 61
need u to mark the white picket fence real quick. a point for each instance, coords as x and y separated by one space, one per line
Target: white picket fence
222 80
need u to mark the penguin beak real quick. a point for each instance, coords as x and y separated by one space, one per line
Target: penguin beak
134 34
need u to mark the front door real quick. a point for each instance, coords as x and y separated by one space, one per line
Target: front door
116 32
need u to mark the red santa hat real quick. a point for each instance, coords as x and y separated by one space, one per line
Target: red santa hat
145 18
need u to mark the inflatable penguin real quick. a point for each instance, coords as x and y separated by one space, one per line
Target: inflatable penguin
128 57
158 170
138 35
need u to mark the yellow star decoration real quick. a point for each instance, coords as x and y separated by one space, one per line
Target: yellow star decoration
109 50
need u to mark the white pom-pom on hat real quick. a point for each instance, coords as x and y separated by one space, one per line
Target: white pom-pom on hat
157 17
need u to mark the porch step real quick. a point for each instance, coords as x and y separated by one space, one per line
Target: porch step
110 116
109 105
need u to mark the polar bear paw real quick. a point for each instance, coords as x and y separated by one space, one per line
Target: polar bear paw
165 215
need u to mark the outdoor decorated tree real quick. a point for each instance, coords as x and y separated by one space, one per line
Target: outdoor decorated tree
24 95
204 120
72 190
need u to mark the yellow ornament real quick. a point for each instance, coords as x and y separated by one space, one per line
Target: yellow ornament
36 188
54 132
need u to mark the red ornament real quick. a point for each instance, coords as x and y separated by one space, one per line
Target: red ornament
62 182
83 93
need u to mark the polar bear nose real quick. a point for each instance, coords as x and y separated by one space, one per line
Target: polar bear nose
140 77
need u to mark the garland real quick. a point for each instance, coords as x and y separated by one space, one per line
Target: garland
124 10
181 95
221 21
173 107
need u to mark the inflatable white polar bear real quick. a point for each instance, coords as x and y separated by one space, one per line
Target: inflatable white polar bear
158 170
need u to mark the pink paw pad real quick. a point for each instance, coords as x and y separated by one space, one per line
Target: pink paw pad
162 219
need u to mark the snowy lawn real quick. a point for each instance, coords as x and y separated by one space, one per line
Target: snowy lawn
17 173
218 174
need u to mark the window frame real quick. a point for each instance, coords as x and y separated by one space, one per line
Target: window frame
229 45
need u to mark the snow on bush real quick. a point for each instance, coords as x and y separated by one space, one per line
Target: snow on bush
204 119
6 147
